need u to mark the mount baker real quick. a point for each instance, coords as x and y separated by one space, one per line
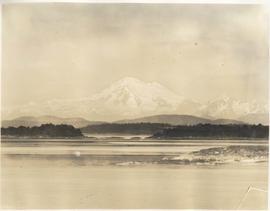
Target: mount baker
132 98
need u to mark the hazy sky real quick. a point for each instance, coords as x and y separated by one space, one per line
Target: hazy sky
67 51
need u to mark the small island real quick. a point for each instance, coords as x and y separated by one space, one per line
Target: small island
209 131
43 131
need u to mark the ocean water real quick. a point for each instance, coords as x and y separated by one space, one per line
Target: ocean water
114 173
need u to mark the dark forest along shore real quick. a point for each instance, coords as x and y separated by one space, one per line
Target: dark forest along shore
153 130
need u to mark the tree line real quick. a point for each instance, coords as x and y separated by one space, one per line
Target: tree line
45 130
157 130
215 131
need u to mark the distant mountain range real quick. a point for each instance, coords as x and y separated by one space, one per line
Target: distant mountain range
256 118
130 98
179 120
30 121
80 122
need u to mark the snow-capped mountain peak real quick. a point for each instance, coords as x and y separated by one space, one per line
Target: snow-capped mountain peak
132 98
135 97
226 107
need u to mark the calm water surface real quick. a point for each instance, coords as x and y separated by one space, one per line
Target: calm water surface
124 174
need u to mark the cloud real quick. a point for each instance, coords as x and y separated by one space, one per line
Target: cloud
74 50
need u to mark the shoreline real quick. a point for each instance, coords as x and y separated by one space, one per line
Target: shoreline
136 138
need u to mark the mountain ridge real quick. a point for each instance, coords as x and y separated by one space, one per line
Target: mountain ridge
174 119
30 121
78 122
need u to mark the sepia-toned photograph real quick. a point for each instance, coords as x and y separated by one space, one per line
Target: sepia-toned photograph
134 106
